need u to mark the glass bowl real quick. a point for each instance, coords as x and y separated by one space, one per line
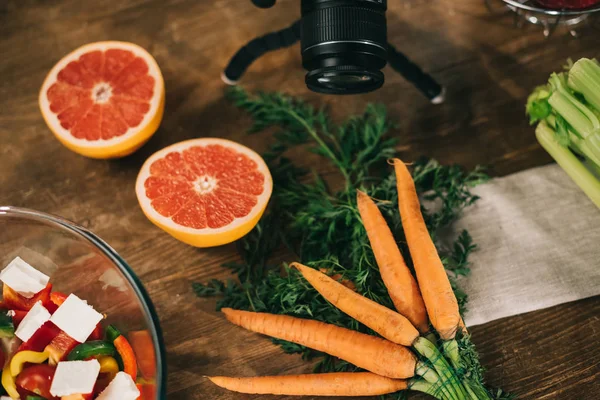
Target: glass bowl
79 262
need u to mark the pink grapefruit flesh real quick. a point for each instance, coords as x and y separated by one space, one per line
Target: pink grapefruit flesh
104 99
205 192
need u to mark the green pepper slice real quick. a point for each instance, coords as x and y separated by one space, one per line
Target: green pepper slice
92 349
7 327
112 333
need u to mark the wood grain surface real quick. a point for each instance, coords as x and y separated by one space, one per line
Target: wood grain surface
488 65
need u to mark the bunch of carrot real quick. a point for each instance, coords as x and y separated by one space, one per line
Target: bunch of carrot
406 356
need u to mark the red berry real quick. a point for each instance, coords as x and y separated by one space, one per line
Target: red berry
568 4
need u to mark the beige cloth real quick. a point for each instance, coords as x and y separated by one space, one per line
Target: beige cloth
539 245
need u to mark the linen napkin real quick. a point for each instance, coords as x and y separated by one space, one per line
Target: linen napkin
538 239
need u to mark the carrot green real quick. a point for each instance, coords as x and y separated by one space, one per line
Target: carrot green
314 219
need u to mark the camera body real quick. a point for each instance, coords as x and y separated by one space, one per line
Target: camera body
344 48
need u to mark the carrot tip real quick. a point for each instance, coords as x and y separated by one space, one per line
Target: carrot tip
296 265
226 310
393 161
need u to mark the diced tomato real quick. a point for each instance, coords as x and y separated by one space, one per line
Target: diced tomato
60 347
36 379
143 348
41 338
58 298
14 301
97 333
18 317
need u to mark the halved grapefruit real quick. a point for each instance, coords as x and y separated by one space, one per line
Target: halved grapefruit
204 192
104 100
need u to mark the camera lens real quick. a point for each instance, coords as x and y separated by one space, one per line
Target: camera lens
344 45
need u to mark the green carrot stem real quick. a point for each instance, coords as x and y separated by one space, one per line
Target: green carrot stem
450 348
432 377
445 371
425 371
476 391
421 385
470 392
431 337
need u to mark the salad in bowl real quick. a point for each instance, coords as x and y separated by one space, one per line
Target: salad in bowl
75 322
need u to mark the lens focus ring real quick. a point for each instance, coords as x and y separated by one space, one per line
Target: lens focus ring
343 23
344 45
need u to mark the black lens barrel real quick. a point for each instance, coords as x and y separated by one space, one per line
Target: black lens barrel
344 35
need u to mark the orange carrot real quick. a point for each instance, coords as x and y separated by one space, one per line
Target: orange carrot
439 298
374 354
381 319
339 278
463 327
396 276
332 384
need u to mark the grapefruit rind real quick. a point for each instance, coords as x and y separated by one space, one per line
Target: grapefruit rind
205 237
120 146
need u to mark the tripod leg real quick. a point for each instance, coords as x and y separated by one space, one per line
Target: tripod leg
413 73
256 48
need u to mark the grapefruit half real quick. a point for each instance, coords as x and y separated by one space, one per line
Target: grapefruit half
104 100
205 192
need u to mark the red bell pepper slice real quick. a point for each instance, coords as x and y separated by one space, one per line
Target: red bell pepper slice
89 396
143 348
60 347
51 307
147 391
14 301
102 383
36 380
18 317
124 349
58 298
41 338
127 355
97 333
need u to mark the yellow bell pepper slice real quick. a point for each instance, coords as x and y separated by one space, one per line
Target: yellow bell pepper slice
8 381
108 365
18 361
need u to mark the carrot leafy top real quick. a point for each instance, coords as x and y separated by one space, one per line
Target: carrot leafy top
314 219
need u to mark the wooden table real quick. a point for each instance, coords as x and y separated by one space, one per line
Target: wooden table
488 65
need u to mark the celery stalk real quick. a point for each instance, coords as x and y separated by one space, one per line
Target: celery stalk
569 163
584 124
587 148
557 83
584 77
572 114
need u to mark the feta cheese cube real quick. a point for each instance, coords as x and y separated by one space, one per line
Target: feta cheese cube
5 398
23 278
122 387
76 318
75 377
35 318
